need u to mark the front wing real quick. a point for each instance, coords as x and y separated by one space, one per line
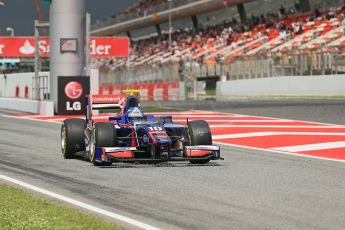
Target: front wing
127 154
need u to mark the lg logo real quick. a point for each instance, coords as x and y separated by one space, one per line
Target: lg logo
73 91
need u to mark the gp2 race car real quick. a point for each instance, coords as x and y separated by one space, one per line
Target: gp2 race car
134 137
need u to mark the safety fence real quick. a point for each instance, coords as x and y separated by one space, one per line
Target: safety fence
142 74
251 67
40 89
244 67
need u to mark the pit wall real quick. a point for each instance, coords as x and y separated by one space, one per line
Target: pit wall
328 85
165 91
10 83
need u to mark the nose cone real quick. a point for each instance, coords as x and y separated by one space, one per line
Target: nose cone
161 138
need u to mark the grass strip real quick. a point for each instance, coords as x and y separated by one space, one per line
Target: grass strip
23 210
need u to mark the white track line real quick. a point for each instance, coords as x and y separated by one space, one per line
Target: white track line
227 123
312 147
263 134
205 115
291 120
188 112
280 152
205 111
80 204
190 117
33 119
279 126
238 121
182 120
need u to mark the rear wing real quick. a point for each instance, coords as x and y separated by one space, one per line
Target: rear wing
99 102
113 101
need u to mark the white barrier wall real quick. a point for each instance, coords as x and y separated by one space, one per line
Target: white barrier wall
45 108
21 105
328 85
9 83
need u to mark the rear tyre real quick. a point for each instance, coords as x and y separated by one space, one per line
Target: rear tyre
199 133
72 137
104 135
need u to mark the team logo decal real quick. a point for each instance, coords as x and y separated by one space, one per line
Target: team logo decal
73 90
145 138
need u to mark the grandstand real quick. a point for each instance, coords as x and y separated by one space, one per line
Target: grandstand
226 40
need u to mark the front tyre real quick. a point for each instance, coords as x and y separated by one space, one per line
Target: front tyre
103 135
72 137
199 133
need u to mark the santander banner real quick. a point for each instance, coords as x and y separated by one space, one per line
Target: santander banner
99 47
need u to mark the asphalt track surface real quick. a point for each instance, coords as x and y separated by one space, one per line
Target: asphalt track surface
316 110
250 189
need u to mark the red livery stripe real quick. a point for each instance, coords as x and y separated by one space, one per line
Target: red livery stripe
124 154
198 153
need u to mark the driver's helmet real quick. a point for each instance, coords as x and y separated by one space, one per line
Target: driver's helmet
133 112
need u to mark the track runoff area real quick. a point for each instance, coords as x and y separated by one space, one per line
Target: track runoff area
293 137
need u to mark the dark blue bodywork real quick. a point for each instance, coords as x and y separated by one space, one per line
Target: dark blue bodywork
147 137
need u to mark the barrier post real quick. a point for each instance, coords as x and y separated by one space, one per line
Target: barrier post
17 91
26 92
